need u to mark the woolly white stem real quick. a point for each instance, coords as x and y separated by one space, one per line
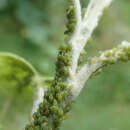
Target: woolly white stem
87 70
81 77
39 93
84 32
78 14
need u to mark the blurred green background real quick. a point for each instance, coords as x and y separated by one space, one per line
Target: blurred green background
34 30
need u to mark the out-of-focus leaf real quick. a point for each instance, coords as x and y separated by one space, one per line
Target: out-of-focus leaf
37 34
3 4
15 105
15 71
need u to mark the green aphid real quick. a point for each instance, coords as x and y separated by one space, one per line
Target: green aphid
68 107
41 105
35 116
45 102
29 127
108 53
59 97
60 112
65 93
38 113
71 26
73 20
57 124
69 88
63 105
114 51
51 97
63 71
125 48
65 59
66 32
37 128
44 126
124 58
42 119
61 58
57 88
89 60
70 16
100 53
70 11
69 63
65 116
63 47
54 109
69 47
113 60
122 54
63 85
55 102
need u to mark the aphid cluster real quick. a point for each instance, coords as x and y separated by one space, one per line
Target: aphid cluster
121 53
71 21
56 106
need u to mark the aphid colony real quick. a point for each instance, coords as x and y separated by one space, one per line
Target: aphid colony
55 106
121 53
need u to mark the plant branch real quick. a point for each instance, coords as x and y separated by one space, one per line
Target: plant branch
88 24
78 15
120 53
40 89
39 96
84 32
68 83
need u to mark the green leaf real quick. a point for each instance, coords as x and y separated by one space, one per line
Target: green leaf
15 71
15 105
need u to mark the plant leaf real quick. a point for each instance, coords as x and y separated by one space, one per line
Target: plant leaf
15 74
15 71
